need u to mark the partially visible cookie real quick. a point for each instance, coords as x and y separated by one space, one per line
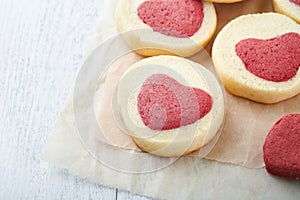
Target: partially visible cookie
257 56
155 27
282 147
290 8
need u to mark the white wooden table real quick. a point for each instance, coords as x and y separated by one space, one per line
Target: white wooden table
42 43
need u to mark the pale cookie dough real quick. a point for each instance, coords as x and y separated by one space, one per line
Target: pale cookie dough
148 41
236 78
177 141
288 8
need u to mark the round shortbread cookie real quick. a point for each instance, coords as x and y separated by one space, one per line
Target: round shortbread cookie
176 27
169 105
290 8
257 56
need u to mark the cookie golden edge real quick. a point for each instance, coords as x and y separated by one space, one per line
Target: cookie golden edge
287 8
197 42
236 87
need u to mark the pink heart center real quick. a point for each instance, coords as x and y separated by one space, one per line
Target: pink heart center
164 103
296 2
176 18
282 147
274 60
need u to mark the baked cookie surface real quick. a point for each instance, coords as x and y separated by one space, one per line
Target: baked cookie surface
170 105
282 147
155 27
258 61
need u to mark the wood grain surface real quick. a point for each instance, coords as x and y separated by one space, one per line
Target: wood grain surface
42 46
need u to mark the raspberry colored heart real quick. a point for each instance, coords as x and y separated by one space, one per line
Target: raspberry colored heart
282 147
164 103
274 60
176 18
296 2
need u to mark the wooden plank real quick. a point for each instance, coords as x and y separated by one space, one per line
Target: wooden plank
42 46
125 195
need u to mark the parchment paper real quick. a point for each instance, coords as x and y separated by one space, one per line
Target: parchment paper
246 126
247 122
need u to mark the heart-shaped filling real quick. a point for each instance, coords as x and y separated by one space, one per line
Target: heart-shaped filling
296 2
274 60
176 18
164 103
282 147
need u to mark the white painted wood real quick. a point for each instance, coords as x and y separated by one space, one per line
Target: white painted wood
124 195
42 43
